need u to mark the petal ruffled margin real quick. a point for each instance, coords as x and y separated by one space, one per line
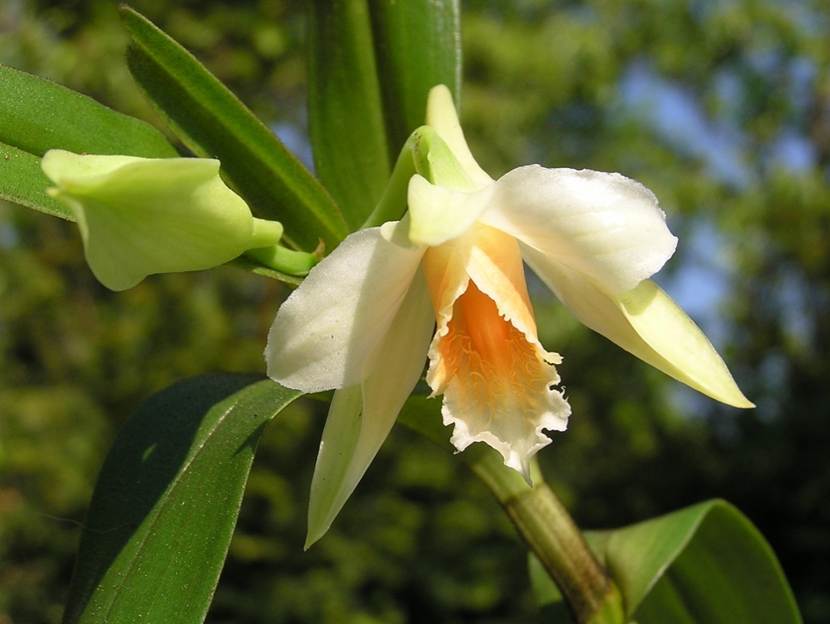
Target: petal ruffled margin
500 389
486 359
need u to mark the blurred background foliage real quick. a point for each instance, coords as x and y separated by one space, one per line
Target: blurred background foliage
722 108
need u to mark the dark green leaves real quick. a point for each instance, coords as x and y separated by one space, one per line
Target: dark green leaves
344 105
417 46
23 182
37 115
214 123
705 563
167 500
371 65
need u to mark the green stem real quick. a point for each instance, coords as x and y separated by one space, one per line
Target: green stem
284 260
551 534
540 518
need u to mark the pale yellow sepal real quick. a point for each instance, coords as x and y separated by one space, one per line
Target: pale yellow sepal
671 336
442 116
647 323
140 216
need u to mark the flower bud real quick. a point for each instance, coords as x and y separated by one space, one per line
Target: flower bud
140 216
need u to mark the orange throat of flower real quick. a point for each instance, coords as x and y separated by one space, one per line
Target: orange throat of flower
496 378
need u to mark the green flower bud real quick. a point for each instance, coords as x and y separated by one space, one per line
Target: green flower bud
140 216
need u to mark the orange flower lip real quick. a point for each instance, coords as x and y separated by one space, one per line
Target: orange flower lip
485 357
477 323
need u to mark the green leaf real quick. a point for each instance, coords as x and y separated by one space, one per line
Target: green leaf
23 182
37 115
417 46
345 111
167 500
705 563
212 122
548 597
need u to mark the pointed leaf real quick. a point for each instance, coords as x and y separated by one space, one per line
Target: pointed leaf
345 112
212 122
417 46
705 563
23 182
167 499
37 115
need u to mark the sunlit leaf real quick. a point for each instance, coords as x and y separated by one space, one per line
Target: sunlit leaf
705 563
167 500
212 122
37 115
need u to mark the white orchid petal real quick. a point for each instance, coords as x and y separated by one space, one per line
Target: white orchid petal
601 224
647 323
360 419
340 436
326 330
439 214
442 116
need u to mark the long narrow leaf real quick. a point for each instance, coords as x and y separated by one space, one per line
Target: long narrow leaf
167 500
417 46
705 563
37 115
346 121
22 181
214 123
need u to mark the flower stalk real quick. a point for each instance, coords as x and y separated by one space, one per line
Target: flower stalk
288 261
551 534
541 520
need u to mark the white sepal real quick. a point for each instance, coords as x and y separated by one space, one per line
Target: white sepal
442 116
361 416
327 329
603 225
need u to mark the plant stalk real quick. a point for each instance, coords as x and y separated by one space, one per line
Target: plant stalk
551 534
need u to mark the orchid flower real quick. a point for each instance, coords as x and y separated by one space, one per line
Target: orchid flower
446 283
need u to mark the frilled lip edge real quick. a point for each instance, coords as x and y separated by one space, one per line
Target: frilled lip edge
550 408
